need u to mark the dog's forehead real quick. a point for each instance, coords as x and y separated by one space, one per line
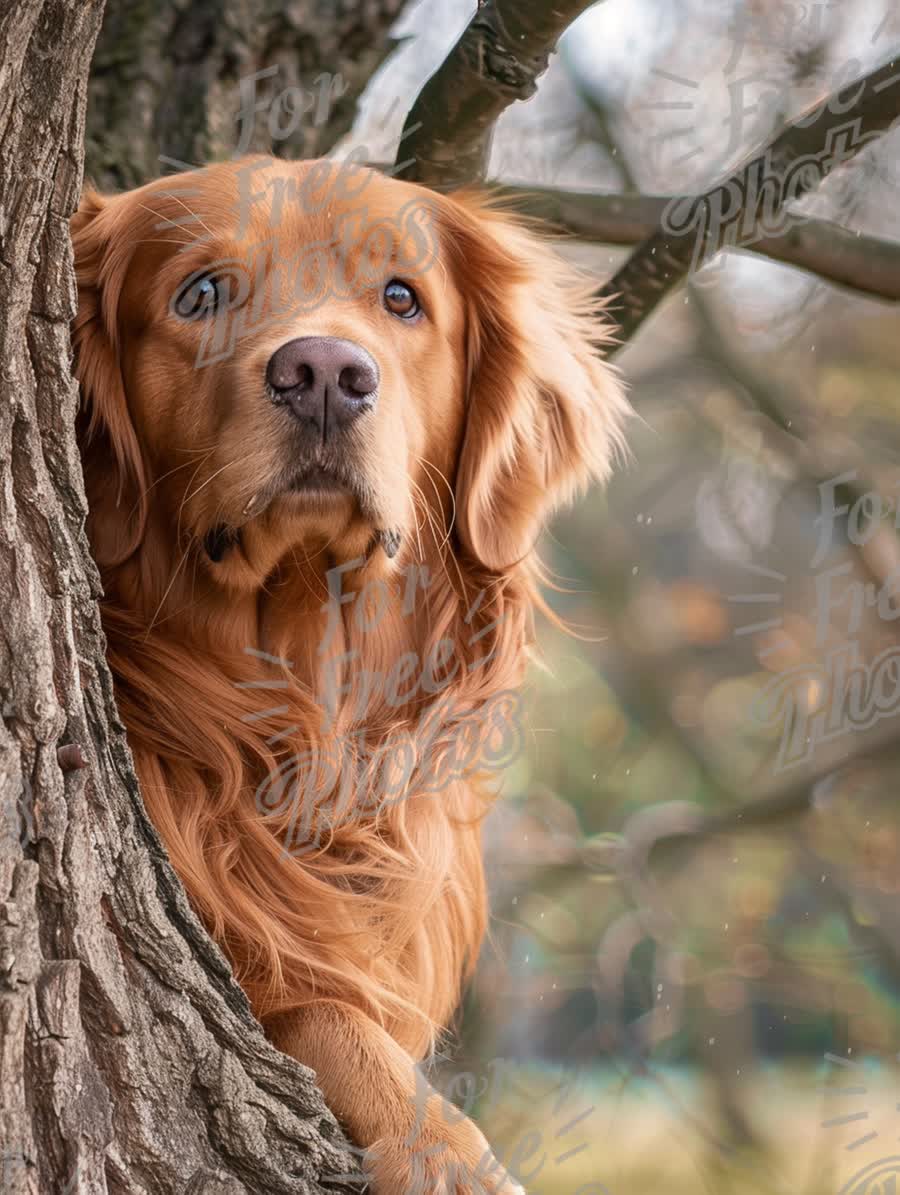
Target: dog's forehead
255 199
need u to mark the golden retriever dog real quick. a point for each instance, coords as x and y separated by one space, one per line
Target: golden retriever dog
325 416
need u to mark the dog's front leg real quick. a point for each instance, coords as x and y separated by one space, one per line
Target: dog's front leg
412 1145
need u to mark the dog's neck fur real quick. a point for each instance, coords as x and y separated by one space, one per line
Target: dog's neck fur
317 606
219 688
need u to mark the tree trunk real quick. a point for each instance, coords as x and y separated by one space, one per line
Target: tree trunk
167 80
129 1060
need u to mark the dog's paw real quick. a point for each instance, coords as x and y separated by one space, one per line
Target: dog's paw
444 1159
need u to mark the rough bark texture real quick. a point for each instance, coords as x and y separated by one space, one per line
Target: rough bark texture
166 79
129 1061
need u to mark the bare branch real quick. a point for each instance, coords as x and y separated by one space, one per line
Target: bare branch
795 162
498 59
784 804
870 265
614 219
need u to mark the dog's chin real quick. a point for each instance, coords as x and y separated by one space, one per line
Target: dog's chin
316 490
311 507
339 502
317 486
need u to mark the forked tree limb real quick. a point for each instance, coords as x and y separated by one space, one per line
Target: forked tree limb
497 60
794 162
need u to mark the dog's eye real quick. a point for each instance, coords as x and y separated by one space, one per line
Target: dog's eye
198 297
401 299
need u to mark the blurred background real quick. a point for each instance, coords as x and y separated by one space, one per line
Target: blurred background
693 983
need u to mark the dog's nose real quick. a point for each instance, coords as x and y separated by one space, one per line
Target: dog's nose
324 379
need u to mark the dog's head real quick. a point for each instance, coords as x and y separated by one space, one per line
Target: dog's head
280 356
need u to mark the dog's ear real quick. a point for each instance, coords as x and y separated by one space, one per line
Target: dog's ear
544 410
114 464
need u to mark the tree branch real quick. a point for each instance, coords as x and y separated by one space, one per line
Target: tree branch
870 265
793 800
795 162
498 59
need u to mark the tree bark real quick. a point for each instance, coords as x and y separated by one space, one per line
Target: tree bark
129 1060
166 79
498 60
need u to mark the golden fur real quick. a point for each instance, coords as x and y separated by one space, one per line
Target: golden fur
494 409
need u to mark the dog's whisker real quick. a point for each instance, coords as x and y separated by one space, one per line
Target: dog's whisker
212 477
162 600
415 493
162 477
197 469
447 535
182 221
165 221
427 466
429 521
191 212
